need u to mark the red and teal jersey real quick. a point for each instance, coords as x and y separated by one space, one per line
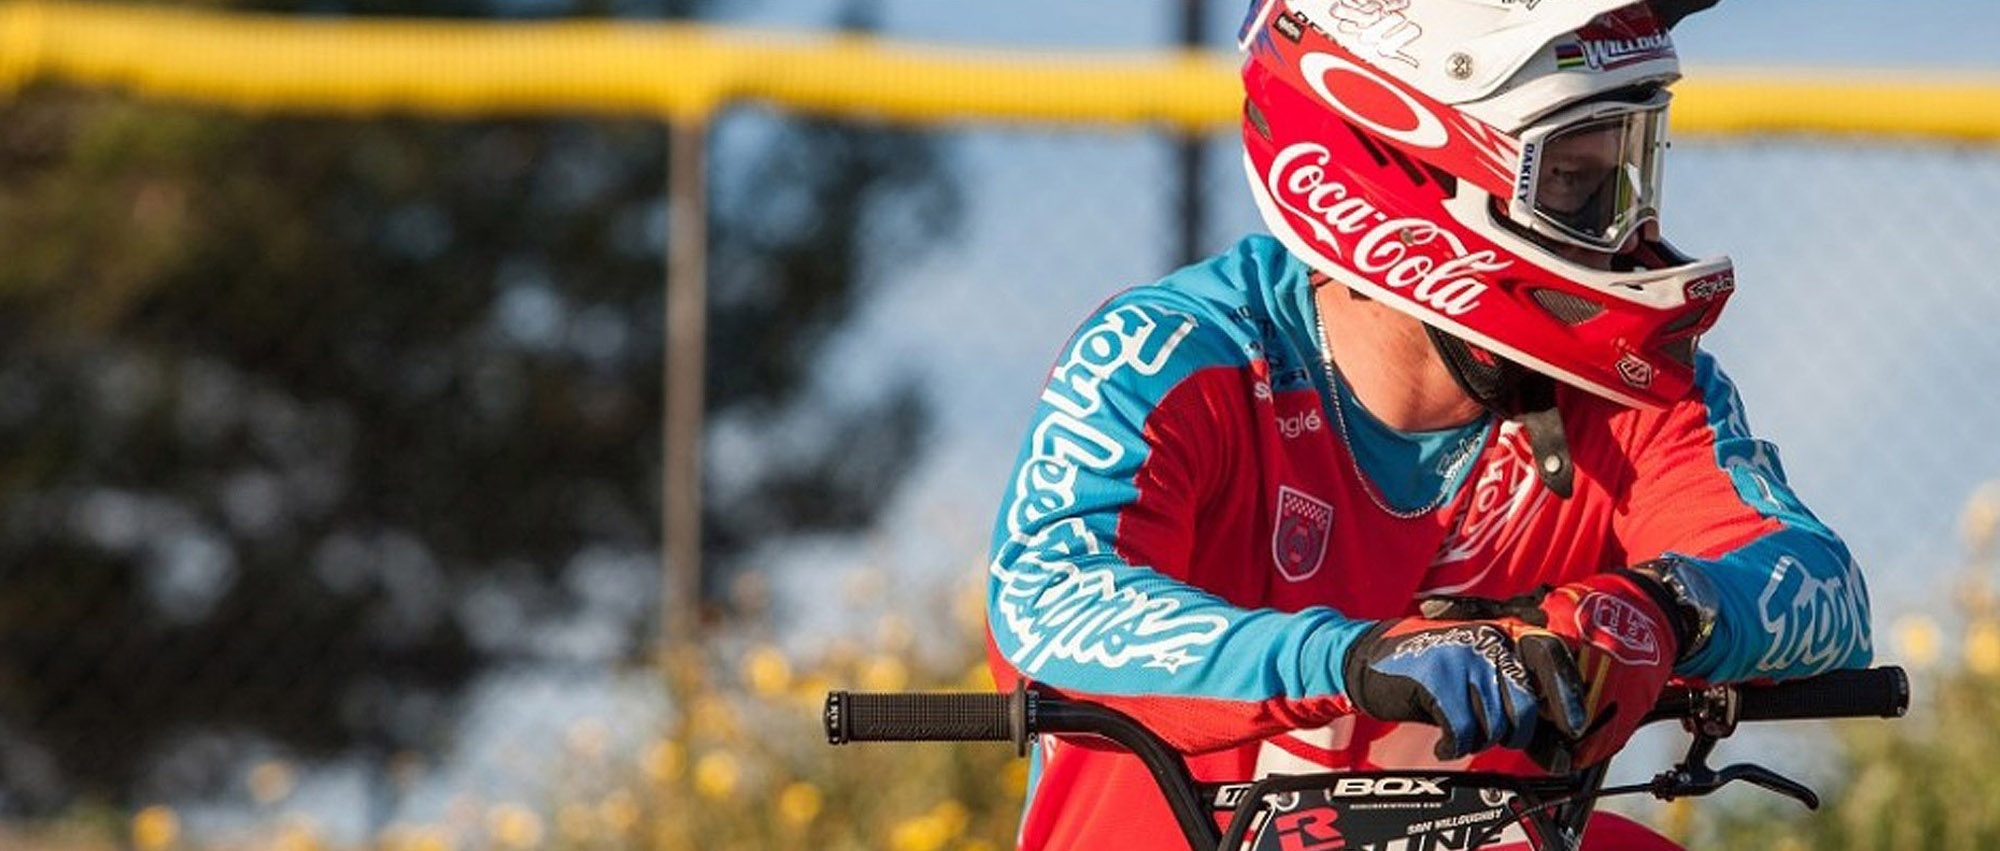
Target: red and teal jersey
1187 538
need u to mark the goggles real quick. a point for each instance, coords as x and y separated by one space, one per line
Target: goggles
1590 175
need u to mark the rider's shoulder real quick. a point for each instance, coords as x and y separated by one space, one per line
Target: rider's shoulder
1235 292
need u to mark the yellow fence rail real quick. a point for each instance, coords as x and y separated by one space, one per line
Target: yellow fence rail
682 72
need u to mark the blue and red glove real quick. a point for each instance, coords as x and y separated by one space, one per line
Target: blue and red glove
1483 682
1588 658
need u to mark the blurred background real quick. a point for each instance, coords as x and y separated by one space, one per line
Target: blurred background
333 476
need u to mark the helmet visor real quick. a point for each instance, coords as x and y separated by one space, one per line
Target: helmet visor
1593 179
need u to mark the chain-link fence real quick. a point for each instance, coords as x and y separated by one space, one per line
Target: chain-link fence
331 476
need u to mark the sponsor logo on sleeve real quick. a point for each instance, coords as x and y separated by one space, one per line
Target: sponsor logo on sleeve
1814 622
1060 598
1058 605
1066 441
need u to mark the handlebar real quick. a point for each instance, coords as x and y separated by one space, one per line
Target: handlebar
1711 712
1020 716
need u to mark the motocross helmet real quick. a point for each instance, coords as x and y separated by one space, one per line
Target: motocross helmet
1492 168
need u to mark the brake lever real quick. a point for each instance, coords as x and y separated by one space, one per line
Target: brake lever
1694 778
1758 775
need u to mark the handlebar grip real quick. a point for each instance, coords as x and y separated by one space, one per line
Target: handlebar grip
1869 693
936 717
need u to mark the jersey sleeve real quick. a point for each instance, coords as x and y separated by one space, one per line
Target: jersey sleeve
1704 488
1087 589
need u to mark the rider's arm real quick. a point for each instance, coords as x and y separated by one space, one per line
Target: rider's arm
1792 603
1087 591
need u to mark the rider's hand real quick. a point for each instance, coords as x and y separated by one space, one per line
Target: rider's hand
1484 682
1625 644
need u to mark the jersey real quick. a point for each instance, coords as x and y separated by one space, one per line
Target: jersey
1187 537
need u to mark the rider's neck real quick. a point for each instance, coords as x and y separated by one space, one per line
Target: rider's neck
1390 365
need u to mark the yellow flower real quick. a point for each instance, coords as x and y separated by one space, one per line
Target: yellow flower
716 775
1917 636
298 834
664 762
620 812
1017 777
154 828
713 716
884 673
272 781
952 816
1982 648
576 823
412 838
811 690
799 804
918 834
977 677
767 672
514 826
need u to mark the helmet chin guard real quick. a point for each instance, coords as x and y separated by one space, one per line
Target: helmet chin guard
1490 167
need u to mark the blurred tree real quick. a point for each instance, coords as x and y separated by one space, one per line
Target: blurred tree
305 421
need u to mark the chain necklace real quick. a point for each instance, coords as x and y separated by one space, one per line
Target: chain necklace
1465 451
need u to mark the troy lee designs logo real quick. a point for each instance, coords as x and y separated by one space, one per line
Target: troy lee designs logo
1055 605
1060 596
1486 642
1409 255
1623 630
1504 496
1815 623
1378 27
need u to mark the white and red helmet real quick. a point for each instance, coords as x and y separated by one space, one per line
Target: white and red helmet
1442 157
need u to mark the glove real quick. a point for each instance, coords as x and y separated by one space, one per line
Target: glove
1483 682
1618 626
1618 629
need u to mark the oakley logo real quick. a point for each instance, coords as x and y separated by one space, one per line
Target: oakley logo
1426 130
1411 256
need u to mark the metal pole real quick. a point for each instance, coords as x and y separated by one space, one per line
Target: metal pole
1193 213
684 371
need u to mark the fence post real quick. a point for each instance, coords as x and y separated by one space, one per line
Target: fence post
684 368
